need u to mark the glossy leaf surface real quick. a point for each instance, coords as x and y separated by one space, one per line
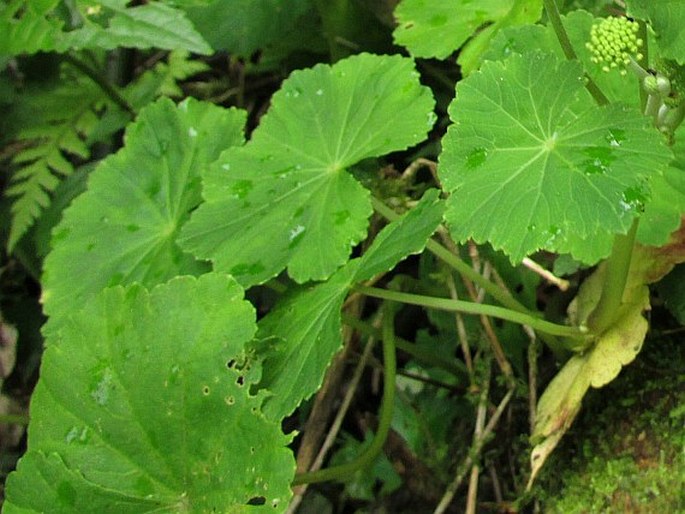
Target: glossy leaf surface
98 443
105 24
527 164
435 28
123 228
308 323
285 199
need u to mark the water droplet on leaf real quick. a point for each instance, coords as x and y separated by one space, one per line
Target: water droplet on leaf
103 388
476 158
241 188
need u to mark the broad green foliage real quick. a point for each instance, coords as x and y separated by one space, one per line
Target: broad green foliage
547 160
243 26
123 228
530 38
35 26
436 28
98 444
62 120
667 17
62 123
285 199
159 390
308 323
663 212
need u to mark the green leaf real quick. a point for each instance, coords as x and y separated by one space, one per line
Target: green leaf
307 327
403 237
309 323
528 164
663 214
97 442
667 18
435 28
61 121
151 25
106 24
123 228
243 26
521 12
26 28
286 196
530 38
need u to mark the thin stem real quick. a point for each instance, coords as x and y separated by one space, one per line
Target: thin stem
14 419
448 304
457 264
367 457
555 19
412 349
475 451
109 90
615 278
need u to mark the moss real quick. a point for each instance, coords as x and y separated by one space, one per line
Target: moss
626 452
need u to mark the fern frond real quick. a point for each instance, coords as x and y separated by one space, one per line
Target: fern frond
163 79
65 118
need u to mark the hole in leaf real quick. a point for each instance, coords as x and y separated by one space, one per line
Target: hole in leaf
257 500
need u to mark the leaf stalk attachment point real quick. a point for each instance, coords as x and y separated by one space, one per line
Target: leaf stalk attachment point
457 264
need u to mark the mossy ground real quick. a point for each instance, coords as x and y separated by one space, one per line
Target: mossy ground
626 452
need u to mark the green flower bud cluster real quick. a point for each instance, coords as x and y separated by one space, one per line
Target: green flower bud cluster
614 42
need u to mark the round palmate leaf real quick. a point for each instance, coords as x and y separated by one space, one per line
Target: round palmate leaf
531 159
285 199
123 228
140 408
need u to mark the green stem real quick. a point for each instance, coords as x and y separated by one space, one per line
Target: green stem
412 349
555 19
615 279
14 419
447 304
457 264
109 90
368 456
340 22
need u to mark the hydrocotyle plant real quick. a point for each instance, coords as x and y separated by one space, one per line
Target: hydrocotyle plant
162 391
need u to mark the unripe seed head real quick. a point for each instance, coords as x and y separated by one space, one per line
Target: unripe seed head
613 41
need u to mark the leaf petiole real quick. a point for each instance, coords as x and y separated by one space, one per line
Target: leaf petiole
555 19
618 265
457 264
494 311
